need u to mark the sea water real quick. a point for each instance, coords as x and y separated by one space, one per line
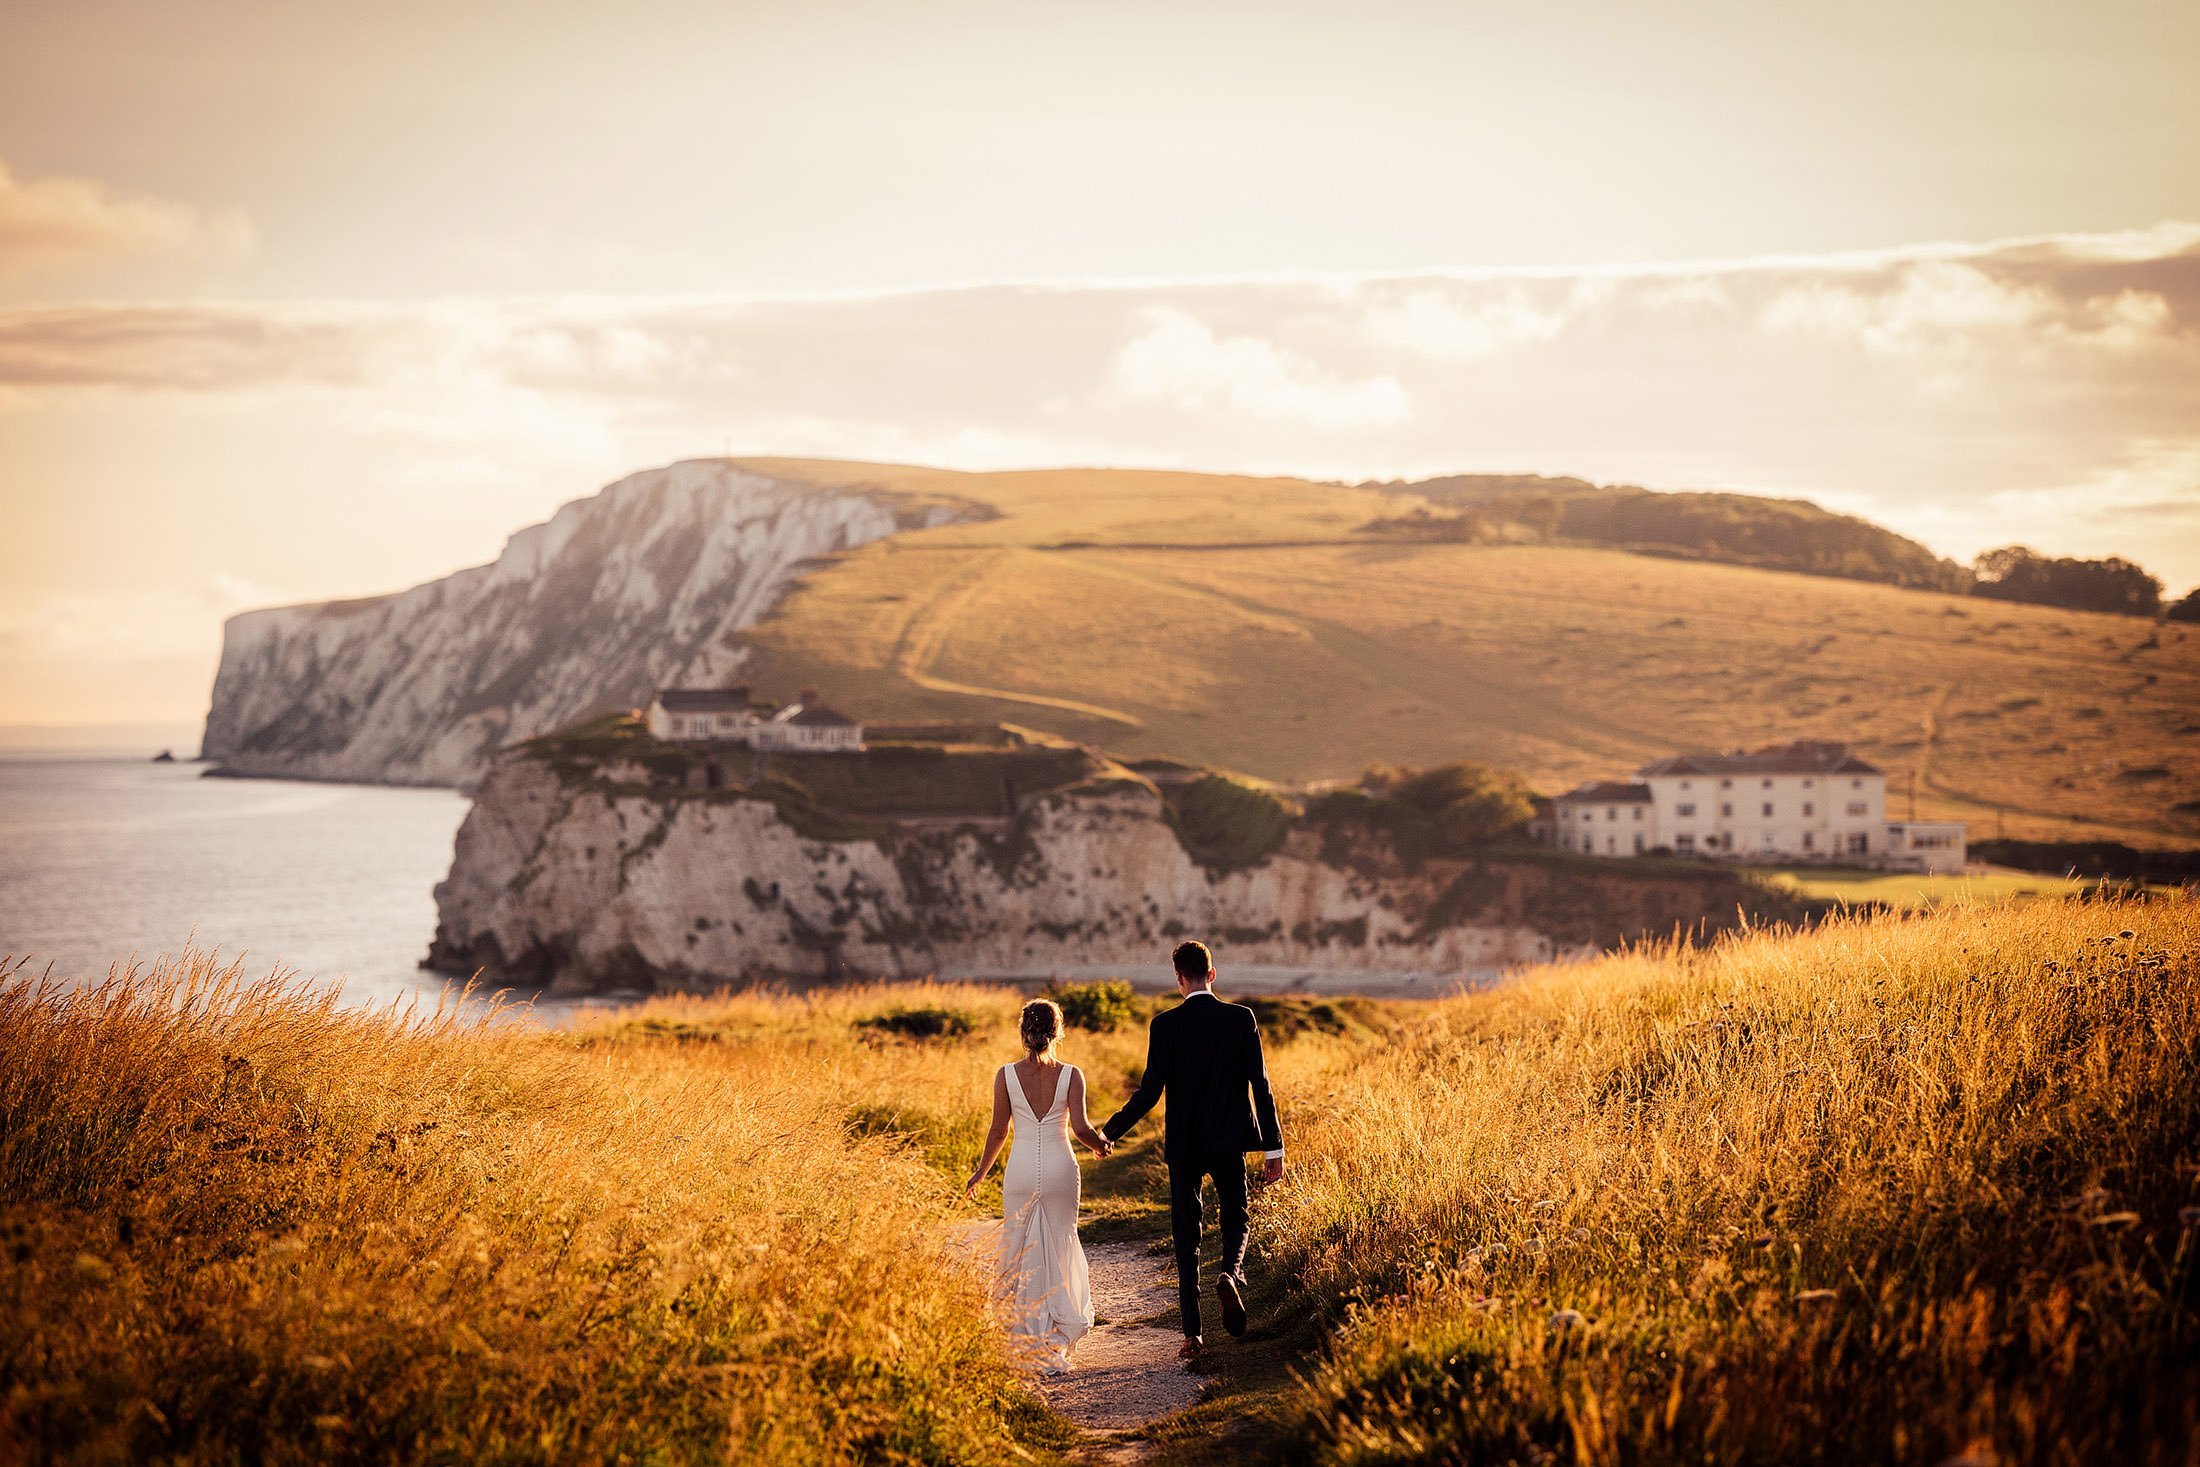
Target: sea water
105 858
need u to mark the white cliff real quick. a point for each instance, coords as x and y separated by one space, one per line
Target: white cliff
564 880
639 586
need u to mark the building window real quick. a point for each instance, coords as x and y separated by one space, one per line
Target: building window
1856 784
1726 784
1809 808
1768 840
1809 841
1638 816
1727 809
1768 784
1768 809
1860 844
1638 842
1611 845
1808 783
1611 812
1859 807
1685 809
1685 785
1684 844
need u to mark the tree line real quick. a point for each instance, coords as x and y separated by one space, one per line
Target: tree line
1773 534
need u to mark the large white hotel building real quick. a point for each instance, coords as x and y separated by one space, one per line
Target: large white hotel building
1809 801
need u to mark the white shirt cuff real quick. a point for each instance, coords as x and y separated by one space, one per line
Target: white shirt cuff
1276 1155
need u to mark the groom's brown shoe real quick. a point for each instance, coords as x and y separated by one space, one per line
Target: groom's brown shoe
1233 1304
1189 1348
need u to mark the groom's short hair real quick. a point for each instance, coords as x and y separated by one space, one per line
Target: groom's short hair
1193 961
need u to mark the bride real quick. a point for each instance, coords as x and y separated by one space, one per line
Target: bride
1042 1263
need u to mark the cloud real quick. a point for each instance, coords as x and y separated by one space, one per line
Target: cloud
1177 359
1964 393
1437 323
66 221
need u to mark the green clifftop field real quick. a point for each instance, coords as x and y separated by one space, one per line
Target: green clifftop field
1258 625
1897 1188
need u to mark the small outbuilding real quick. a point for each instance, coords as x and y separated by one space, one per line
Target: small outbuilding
808 726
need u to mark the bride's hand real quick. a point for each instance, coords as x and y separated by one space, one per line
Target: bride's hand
970 1188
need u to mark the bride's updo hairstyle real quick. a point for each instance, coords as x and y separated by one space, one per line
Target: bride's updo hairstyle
1041 1027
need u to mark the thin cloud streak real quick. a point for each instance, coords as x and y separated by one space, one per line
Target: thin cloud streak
70 221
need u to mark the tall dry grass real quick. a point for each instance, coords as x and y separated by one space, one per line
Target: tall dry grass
240 1223
1896 1189
1901 1188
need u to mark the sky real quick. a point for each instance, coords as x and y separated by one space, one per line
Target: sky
300 301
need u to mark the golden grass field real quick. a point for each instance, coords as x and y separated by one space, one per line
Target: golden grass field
1904 1187
1853 886
1892 1190
1238 622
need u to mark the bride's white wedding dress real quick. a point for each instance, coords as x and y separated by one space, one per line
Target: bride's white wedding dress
1043 1268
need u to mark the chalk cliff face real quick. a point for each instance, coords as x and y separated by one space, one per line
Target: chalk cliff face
637 587
579 885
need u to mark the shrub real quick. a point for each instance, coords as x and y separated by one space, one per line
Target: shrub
1454 808
1228 825
1100 1007
1285 1017
921 1023
1451 810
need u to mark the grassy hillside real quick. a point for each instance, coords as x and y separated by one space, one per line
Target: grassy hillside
244 1226
1244 623
1895 1189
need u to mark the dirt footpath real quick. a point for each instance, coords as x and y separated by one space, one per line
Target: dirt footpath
1126 1373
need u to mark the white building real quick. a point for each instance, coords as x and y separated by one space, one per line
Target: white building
807 726
1607 818
701 713
1809 801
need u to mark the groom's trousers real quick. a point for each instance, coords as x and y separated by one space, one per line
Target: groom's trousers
1186 1174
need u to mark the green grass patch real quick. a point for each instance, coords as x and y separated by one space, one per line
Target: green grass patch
1099 1007
1285 1017
929 1022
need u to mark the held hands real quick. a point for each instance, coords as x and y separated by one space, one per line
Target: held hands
1102 1147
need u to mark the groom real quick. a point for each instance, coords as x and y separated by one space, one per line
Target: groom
1204 1054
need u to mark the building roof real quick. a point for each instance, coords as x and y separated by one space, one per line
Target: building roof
705 700
1804 756
1608 792
814 715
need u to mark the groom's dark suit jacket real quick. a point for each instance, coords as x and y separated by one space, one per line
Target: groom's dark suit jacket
1204 1055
